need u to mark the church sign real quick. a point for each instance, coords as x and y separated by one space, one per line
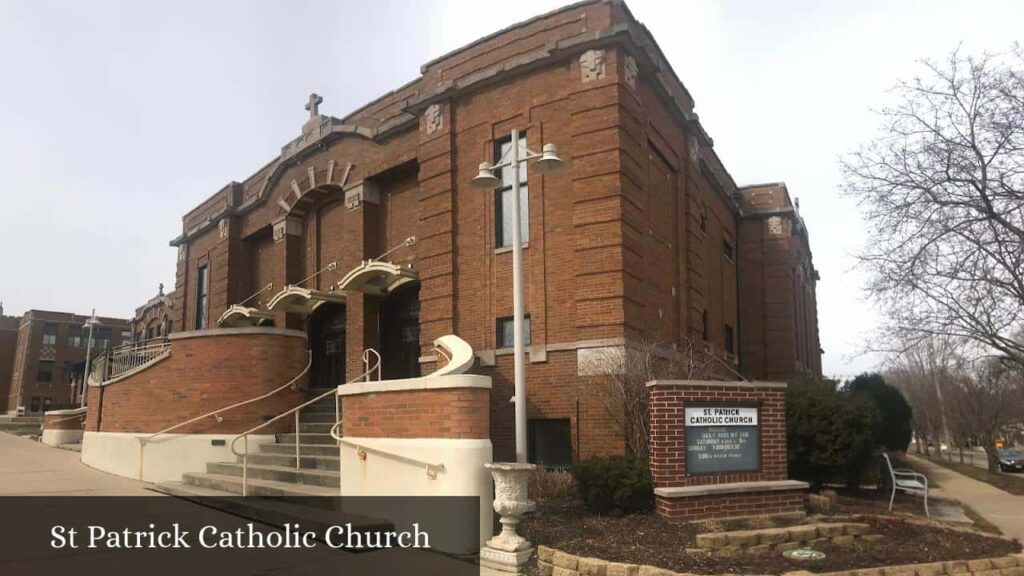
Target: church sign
722 439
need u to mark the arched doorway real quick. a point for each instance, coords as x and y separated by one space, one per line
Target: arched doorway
400 333
327 342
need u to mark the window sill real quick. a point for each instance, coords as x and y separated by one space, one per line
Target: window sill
507 249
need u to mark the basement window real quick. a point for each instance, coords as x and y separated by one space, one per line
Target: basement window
549 443
506 335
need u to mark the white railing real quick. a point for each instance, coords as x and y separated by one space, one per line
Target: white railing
128 358
216 414
368 354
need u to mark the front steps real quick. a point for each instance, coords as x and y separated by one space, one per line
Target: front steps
271 467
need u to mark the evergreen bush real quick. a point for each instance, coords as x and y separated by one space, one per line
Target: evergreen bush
614 484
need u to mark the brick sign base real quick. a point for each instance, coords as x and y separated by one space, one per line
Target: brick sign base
742 426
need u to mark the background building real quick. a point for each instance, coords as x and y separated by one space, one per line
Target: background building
8 344
153 319
50 350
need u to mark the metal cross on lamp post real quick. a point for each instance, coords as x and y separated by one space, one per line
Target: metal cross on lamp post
547 162
89 324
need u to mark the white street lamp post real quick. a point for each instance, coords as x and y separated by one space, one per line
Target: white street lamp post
89 324
548 163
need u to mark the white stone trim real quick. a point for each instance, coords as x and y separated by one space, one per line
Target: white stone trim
423 383
731 488
167 456
718 383
66 411
269 330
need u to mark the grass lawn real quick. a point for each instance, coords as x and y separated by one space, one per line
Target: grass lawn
1012 483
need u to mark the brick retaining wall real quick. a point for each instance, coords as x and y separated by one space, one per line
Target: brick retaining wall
206 370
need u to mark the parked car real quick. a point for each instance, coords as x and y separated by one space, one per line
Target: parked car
1011 460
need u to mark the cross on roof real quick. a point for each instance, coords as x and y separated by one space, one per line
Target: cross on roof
314 105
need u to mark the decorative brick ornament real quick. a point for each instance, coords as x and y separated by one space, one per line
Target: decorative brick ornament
592 66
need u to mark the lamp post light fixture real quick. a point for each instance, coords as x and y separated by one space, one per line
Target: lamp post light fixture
547 162
89 325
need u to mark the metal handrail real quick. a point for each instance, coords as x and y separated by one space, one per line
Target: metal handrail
361 450
216 413
366 362
295 411
124 359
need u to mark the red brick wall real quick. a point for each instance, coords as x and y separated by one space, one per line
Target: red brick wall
432 413
613 249
63 421
731 505
216 369
668 439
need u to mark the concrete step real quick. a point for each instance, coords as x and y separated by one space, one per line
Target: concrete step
304 449
316 513
257 486
313 462
319 417
325 405
303 476
307 438
315 427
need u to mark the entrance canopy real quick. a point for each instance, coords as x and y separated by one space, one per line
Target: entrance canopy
377 278
302 300
237 316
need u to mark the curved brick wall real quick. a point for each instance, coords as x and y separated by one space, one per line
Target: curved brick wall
62 420
206 370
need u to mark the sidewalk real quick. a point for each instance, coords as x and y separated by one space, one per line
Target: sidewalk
30 468
1001 508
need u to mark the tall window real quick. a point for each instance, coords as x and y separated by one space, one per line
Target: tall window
503 195
506 334
728 251
704 325
102 335
68 372
45 371
202 294
730 343
75 336
49 335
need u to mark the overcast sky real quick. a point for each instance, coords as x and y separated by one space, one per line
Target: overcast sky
118 117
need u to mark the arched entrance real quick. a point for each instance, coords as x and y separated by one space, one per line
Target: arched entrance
399 327
327 342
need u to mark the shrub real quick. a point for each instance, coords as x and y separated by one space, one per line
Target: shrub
894 429
551 484
615 484
830 434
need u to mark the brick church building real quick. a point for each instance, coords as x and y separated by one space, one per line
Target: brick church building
365 233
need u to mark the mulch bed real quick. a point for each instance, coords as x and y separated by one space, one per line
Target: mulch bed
647 539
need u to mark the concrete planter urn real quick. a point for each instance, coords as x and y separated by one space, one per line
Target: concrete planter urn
508 551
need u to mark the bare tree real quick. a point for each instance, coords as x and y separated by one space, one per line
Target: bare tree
627 370
958 392
942 189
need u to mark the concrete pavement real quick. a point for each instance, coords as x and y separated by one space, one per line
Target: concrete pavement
30 468
1001 508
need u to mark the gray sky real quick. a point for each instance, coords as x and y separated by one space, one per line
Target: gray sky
118 117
